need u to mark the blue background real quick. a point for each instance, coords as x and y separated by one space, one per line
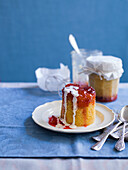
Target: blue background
34 33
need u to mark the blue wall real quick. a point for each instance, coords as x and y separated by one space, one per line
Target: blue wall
34 33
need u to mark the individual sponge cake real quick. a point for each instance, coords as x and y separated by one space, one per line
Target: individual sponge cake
78 105
104 75
106 90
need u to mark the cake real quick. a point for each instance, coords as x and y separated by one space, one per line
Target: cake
106 91
104 76
78 105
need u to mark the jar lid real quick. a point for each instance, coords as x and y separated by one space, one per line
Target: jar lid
108 66
104 63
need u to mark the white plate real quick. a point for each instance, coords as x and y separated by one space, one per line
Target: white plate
104 117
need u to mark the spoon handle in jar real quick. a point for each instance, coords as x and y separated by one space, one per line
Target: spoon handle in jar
74 44
99 144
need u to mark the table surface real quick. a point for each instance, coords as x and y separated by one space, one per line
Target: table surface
59 163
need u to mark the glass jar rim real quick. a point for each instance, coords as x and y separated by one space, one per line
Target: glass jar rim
86 51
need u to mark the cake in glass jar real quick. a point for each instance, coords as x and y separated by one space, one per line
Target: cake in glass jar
104 75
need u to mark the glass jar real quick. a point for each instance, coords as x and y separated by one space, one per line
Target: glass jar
106 90
78 62
105 76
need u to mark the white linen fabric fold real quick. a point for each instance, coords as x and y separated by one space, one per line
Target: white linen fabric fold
53 79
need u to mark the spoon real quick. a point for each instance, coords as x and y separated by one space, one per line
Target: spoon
116 134
99 144
74 44
123 117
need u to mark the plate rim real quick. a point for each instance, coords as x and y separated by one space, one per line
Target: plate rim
71 130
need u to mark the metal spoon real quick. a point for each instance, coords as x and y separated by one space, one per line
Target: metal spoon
116 134
99 144
74 44
123 117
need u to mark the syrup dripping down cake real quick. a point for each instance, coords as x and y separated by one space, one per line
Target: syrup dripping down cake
78 105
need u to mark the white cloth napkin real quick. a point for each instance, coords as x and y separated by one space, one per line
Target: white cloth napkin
53 79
